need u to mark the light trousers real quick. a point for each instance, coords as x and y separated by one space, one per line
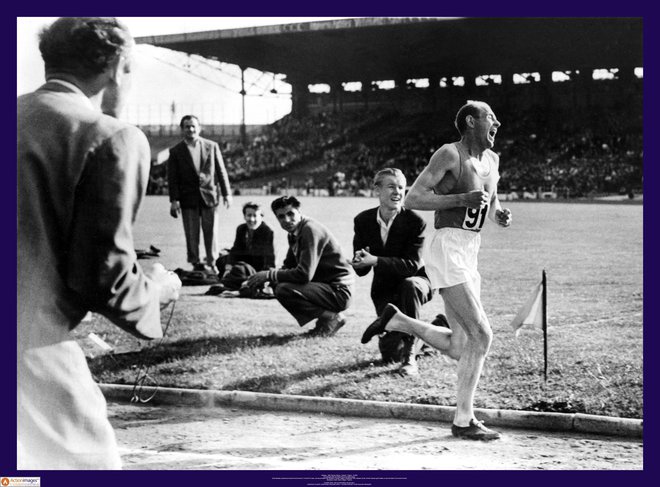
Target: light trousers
203 218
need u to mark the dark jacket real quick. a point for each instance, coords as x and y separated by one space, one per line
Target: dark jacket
399 258
259 252
315 255
188 187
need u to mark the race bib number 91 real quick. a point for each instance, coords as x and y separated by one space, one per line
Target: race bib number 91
474 218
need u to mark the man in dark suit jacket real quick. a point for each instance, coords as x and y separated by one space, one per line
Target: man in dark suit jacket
197 179
82 175
389 239
253 243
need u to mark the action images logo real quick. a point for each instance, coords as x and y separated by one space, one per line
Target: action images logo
20 481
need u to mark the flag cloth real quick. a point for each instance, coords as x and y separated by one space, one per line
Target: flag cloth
532 311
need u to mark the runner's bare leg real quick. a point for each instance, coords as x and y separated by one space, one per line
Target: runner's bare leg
468 341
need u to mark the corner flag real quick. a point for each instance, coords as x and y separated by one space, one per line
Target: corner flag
531 312
534 313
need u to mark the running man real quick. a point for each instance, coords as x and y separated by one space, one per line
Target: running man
460 185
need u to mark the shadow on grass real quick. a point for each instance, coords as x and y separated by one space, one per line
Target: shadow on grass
276 383
184 349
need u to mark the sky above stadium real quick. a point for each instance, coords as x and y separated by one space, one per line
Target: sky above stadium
168 84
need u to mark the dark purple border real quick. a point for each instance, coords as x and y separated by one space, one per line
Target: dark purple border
474 8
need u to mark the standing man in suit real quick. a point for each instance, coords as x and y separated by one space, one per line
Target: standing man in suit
389 240
197 179
81 177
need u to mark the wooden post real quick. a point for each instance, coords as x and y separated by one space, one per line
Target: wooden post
545 326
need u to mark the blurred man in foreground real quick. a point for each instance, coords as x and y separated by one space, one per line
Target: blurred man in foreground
81 177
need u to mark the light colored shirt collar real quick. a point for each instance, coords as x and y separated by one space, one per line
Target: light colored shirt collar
193 144
83 98
385 227
195 151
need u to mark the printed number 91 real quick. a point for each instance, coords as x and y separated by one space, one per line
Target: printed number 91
475 217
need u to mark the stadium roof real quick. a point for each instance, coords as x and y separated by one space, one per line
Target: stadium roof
403 48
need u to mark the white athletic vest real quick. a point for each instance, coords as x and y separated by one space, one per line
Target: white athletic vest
473 174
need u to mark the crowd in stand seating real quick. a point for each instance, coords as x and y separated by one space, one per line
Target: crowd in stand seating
573 156
289 142
573 159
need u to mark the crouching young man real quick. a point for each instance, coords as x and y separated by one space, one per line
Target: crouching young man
316 281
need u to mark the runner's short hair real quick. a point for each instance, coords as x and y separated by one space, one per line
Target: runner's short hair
471 107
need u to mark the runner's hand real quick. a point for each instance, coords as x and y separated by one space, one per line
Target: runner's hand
477 198
503 217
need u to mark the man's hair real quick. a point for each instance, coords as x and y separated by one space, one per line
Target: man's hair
388 171
83 46
250 205
185 118
283 202
472 107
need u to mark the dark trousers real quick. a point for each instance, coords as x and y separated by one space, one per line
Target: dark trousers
256 261
307 302
410 296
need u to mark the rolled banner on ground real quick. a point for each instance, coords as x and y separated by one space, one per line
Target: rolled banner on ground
99 342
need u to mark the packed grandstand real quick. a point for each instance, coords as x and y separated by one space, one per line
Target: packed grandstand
575 136
578 155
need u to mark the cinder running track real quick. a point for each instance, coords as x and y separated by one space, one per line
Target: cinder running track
224 438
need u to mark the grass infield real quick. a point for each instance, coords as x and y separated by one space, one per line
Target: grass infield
593 256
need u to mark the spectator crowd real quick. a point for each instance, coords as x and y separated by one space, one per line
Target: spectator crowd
572 154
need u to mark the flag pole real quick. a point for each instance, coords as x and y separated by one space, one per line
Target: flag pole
545 327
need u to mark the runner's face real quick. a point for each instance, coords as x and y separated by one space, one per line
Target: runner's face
486 126
391 192
289 218
253 218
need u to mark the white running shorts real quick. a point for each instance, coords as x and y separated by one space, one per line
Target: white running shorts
450 257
